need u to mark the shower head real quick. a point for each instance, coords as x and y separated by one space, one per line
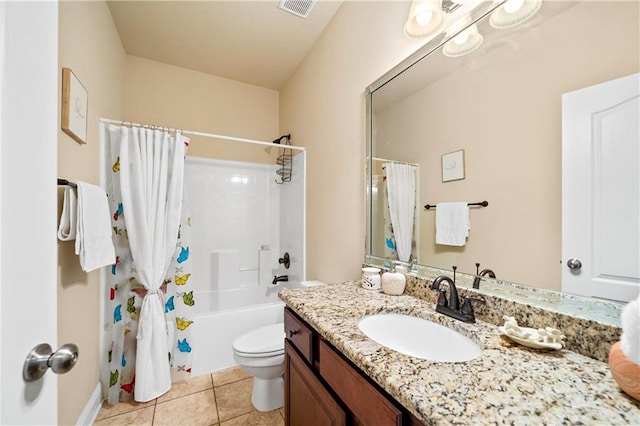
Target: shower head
279 140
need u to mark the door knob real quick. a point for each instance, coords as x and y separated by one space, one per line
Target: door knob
41 358
574 264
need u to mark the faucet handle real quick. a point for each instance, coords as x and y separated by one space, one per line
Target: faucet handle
442 298
476 282
286 260
467 307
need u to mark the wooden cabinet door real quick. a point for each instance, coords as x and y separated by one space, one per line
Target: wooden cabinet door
368 405
307 402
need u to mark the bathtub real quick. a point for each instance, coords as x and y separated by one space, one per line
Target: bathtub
224 315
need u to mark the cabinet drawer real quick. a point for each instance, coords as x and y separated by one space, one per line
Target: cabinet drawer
367 404
299 334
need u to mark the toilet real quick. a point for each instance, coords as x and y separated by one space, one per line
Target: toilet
261 353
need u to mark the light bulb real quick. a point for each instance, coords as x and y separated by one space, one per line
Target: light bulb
424 17
512 6
461 38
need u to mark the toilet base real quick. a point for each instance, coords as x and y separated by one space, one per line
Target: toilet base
267 395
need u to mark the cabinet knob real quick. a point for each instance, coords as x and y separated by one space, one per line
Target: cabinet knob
292 333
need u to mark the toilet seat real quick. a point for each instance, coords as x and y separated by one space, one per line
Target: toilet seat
263 342
258 355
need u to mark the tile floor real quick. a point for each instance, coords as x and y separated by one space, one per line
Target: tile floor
222 398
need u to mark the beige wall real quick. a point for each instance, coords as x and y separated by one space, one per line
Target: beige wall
506 114
90 46
167 95
157 94
323 107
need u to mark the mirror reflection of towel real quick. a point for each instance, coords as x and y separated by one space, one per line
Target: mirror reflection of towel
452 223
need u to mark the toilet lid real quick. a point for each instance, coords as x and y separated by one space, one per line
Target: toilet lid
264 340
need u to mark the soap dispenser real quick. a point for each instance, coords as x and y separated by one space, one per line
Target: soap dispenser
394 281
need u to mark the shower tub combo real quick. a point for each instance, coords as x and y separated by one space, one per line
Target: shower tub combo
243 221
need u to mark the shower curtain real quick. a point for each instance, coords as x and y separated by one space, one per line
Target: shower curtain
401 192
148 289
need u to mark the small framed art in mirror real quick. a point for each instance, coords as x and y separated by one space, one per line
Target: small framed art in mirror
453 166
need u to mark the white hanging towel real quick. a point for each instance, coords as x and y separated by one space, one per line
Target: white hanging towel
93 235
452 224
68 221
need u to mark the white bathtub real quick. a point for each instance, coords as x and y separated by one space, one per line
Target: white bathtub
223 316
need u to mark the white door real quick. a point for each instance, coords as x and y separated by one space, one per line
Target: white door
600 190
28 150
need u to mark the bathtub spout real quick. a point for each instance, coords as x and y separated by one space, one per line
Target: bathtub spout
277 279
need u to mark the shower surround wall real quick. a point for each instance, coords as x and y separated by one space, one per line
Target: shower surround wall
242 222
234 210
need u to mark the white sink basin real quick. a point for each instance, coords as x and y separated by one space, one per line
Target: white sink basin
419 338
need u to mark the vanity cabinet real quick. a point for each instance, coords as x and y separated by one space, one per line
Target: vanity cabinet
322 387
307 402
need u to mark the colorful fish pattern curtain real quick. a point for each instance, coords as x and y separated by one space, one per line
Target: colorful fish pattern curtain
125 295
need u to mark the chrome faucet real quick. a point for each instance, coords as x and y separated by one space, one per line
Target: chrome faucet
452 307
277 279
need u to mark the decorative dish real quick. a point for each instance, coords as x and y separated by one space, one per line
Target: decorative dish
542 338
530 343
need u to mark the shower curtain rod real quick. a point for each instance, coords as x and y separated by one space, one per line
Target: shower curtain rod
394 161
205 135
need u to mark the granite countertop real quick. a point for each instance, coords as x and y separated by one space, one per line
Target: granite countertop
507 384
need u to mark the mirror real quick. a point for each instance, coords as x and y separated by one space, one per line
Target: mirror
501 105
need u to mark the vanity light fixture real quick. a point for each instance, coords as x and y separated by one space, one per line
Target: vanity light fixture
514 12
449 6
463 42
425 18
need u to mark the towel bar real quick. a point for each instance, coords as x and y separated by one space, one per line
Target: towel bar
65 182
481 204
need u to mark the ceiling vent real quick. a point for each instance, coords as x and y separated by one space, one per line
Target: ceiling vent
300 8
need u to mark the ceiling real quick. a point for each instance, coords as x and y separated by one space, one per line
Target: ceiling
249 41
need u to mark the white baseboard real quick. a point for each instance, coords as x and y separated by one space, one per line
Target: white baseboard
90 412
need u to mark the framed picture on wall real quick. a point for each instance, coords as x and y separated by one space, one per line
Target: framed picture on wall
75 103
453 166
